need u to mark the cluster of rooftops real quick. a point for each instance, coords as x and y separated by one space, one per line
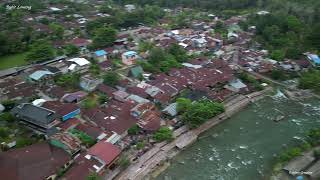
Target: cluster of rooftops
148 104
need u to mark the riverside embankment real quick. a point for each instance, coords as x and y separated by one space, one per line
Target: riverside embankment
247 145
164 151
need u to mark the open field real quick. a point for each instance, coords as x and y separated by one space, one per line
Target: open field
12 61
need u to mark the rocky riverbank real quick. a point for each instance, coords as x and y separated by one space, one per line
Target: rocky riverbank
306 165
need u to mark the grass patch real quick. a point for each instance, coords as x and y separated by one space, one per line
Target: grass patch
13 61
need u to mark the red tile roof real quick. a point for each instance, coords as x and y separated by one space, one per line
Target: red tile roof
92 131
150 121
106 90
35 162
124 82
80 169
137 91
216 72
89 113
73 122
60 108
80 42
56 92
116 117
105 151
66 109
162 98
106 64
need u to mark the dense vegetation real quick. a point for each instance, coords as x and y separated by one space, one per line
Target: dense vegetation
84 138
196 113
290 30
121 19
40 51
161 60
312 140
248 79
134 130
310 80
70 80
204 4
291 17
163 134
104 37
284 35
111 79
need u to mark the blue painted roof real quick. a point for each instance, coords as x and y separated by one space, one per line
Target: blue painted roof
300 178
101 53
315 58
130 53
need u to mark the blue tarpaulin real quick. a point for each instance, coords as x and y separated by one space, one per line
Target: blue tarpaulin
101 53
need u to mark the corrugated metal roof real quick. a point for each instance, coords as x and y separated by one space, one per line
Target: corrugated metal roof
238 84
80 61
138 99
171 109
39 74
130 53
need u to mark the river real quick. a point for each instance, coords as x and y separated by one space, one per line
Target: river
245 146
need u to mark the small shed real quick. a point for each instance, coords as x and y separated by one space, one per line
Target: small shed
137 99
129 58
136 71
236 86
120 95
101 55
171 109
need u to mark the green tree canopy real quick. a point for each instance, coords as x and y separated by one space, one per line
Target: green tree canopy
310 80
178 52
70 80
6 116
41 51
163 134
183 105
71 50
111 78
104 37
57 29
160 59
134 130
201 111
23 141
4 132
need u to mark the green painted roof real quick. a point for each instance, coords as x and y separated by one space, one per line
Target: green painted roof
136 71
